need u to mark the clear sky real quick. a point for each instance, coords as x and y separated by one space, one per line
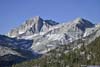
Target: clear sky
15 12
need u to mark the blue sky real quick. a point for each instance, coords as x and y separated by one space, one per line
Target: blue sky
15 12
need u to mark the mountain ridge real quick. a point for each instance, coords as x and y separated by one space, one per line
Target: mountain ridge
37 37
49 33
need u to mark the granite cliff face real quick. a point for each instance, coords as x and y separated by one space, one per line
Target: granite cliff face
48 34
32 26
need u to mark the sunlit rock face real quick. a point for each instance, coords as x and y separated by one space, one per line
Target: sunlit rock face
49 34
31 27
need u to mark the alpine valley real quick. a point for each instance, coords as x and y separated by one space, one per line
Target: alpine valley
37 39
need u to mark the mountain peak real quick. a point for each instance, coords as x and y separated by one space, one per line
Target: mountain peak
79 20
82 23
31 26
35 18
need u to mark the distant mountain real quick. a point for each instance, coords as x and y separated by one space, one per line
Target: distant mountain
48 34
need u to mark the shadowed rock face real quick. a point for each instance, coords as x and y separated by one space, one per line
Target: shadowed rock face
14 50
9 60
15 43
83 24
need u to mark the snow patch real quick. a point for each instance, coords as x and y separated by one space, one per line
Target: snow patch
54 36
21 32
42 33
85 34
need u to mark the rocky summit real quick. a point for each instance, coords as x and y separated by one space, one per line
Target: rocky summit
31 27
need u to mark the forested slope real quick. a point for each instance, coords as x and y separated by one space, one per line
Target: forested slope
86 55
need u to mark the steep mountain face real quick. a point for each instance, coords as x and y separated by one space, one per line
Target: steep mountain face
61 34
32 26
47 34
